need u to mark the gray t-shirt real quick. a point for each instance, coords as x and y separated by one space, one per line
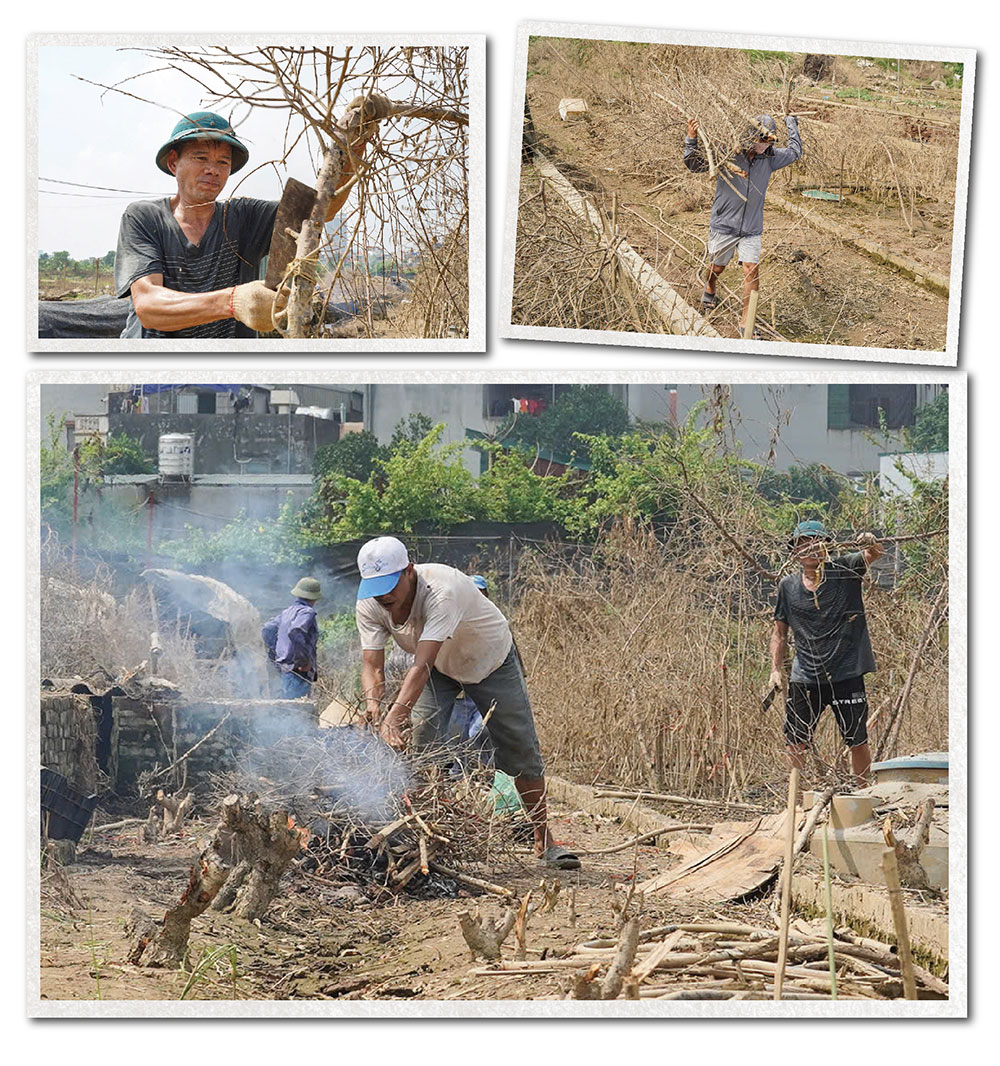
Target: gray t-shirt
150 241
829 625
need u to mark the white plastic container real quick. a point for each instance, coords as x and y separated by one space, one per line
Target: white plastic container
176 455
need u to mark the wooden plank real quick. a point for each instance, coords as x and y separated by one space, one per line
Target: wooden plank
730 867
674 309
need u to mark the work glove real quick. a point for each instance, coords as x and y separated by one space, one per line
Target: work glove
255 305
775 680
373 107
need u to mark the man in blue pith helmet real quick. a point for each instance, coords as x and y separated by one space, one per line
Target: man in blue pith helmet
823 607
292 639
460 641
737 221
190 263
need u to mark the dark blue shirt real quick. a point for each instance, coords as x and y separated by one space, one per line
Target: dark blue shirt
291 639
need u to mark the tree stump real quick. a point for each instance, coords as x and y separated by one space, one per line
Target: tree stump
175 809
165 945
484 936
266 843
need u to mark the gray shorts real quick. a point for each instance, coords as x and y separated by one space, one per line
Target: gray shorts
511 725
722 245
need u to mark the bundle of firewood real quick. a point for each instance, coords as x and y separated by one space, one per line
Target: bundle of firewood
725 960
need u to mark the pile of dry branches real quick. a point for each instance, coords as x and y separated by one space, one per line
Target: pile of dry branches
375 816
725 960
566 275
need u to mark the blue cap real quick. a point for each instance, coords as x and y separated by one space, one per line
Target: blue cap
480 582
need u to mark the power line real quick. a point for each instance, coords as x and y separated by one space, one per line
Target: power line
102 188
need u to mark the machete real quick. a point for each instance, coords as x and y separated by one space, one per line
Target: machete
295 206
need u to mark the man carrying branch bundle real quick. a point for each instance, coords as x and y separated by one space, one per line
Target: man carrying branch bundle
823 607
460 641
737 220
190 263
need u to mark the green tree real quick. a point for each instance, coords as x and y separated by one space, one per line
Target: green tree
410 431
583 409
354 456
930 428
510 491
422 482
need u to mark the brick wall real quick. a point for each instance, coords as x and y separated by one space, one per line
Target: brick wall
69 738
143 733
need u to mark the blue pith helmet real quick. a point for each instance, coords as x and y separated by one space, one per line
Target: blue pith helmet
204 126
811 528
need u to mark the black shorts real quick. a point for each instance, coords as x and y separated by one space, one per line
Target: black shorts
805 704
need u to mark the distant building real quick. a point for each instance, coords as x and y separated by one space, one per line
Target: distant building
838 425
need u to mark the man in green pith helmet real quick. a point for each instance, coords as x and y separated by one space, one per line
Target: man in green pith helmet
292 638
190 263
822 606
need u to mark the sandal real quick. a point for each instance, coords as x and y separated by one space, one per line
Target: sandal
709 299
561 858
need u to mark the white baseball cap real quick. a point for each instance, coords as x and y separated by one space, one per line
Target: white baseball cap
381 561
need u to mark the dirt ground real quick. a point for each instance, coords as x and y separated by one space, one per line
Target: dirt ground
814 288
327 940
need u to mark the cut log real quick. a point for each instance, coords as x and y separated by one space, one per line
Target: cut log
485 936
628 944
681 318
175 808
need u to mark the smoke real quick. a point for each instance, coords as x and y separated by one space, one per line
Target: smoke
325 778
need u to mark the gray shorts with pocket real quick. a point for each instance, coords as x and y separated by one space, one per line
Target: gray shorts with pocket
722 245
511 725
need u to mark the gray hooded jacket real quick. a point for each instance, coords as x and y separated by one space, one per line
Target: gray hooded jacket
730 212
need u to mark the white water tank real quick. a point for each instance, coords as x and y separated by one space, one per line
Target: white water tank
176 455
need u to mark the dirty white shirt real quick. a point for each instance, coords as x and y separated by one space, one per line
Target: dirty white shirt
447 607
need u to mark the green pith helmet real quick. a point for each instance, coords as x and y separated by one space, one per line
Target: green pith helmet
812 528
307 589
204 126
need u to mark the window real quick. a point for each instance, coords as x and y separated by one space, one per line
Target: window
206 403
858 406
498 400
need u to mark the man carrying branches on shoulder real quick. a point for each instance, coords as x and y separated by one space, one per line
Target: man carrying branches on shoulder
190 263
823 607
737 220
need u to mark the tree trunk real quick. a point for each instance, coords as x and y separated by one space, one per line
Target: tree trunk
165 945
266 842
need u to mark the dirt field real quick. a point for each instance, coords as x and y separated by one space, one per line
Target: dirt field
814 287
328 940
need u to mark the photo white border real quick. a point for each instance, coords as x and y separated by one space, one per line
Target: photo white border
801 349
955 1007
476 340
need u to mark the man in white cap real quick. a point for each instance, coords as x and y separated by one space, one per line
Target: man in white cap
291 639
460 641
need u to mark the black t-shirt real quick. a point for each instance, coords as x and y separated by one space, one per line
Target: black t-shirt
829 624
150 241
